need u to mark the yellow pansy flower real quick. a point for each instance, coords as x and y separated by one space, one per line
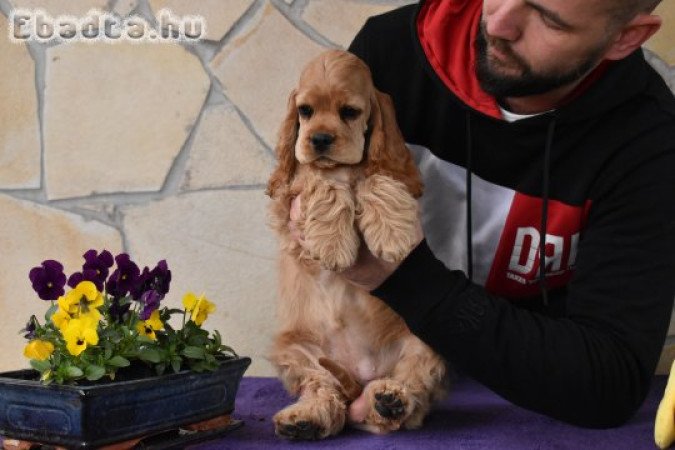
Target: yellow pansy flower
79 334
148 327
38 349
81 300
199 307
61 318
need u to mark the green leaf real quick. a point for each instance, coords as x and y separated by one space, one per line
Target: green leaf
176 363
73 372
199 366
118 361
160 368
193 352
108 351
149 355
40 366
198 341
94 373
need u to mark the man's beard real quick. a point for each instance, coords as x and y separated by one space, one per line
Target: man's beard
527 82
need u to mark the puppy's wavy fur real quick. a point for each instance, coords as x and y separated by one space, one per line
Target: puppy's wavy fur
335 341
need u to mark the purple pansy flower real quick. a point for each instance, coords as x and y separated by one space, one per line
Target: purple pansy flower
30 329
99 263
157 279
161 278
48 280
85 275
124 277
150 300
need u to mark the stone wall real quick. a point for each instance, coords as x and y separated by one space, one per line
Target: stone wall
163 150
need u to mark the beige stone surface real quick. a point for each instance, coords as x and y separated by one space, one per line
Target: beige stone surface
259 68
340 21
225 153
663 42
19 123
124 7
77 8
117 115
218 243
219 15
29 234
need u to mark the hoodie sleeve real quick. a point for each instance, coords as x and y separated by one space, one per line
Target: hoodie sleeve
590 366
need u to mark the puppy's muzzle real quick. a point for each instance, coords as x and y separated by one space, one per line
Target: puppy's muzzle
322 142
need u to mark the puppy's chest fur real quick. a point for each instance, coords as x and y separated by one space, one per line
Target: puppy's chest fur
360 333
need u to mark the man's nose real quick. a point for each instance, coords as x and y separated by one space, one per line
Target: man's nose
504 19
322 141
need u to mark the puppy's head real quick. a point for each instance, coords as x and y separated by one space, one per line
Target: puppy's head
327 116
336 117
332 102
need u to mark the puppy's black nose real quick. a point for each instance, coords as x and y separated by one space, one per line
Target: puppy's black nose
322 141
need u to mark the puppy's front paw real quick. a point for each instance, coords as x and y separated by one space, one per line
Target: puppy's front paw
387 218
335 253
389 406
310 420
330 233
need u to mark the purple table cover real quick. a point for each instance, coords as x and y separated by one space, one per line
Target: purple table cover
472 417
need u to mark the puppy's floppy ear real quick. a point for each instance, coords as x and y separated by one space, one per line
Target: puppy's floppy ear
387 152
285 149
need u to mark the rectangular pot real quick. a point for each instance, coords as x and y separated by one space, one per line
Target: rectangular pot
100 414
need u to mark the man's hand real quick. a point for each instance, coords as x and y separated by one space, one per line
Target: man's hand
369 271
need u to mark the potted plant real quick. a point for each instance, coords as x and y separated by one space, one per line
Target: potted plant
108 366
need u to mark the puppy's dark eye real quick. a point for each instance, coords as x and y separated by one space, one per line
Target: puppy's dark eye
349 113
305 111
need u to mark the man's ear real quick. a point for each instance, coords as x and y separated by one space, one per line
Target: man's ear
632 35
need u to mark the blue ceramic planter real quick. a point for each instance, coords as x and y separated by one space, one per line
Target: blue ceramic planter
100 414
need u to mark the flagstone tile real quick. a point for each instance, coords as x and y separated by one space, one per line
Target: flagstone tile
117 115
20 129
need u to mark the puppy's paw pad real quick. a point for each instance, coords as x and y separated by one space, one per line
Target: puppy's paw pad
301 430
389 405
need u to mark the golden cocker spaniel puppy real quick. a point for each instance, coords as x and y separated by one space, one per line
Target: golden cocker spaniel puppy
340 149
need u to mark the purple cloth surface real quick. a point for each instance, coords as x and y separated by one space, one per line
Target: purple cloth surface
472 417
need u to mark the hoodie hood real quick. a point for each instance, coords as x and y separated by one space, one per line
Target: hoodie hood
441 21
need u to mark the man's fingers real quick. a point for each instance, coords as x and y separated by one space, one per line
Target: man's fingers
358 410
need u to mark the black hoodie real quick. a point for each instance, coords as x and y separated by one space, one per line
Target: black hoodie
596 177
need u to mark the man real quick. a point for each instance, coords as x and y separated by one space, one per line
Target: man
541 134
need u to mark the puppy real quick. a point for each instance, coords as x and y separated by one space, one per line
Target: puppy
340 149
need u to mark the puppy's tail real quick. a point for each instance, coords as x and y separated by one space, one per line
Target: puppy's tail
350 387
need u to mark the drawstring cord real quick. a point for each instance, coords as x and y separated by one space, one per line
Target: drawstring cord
544 209
469 221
